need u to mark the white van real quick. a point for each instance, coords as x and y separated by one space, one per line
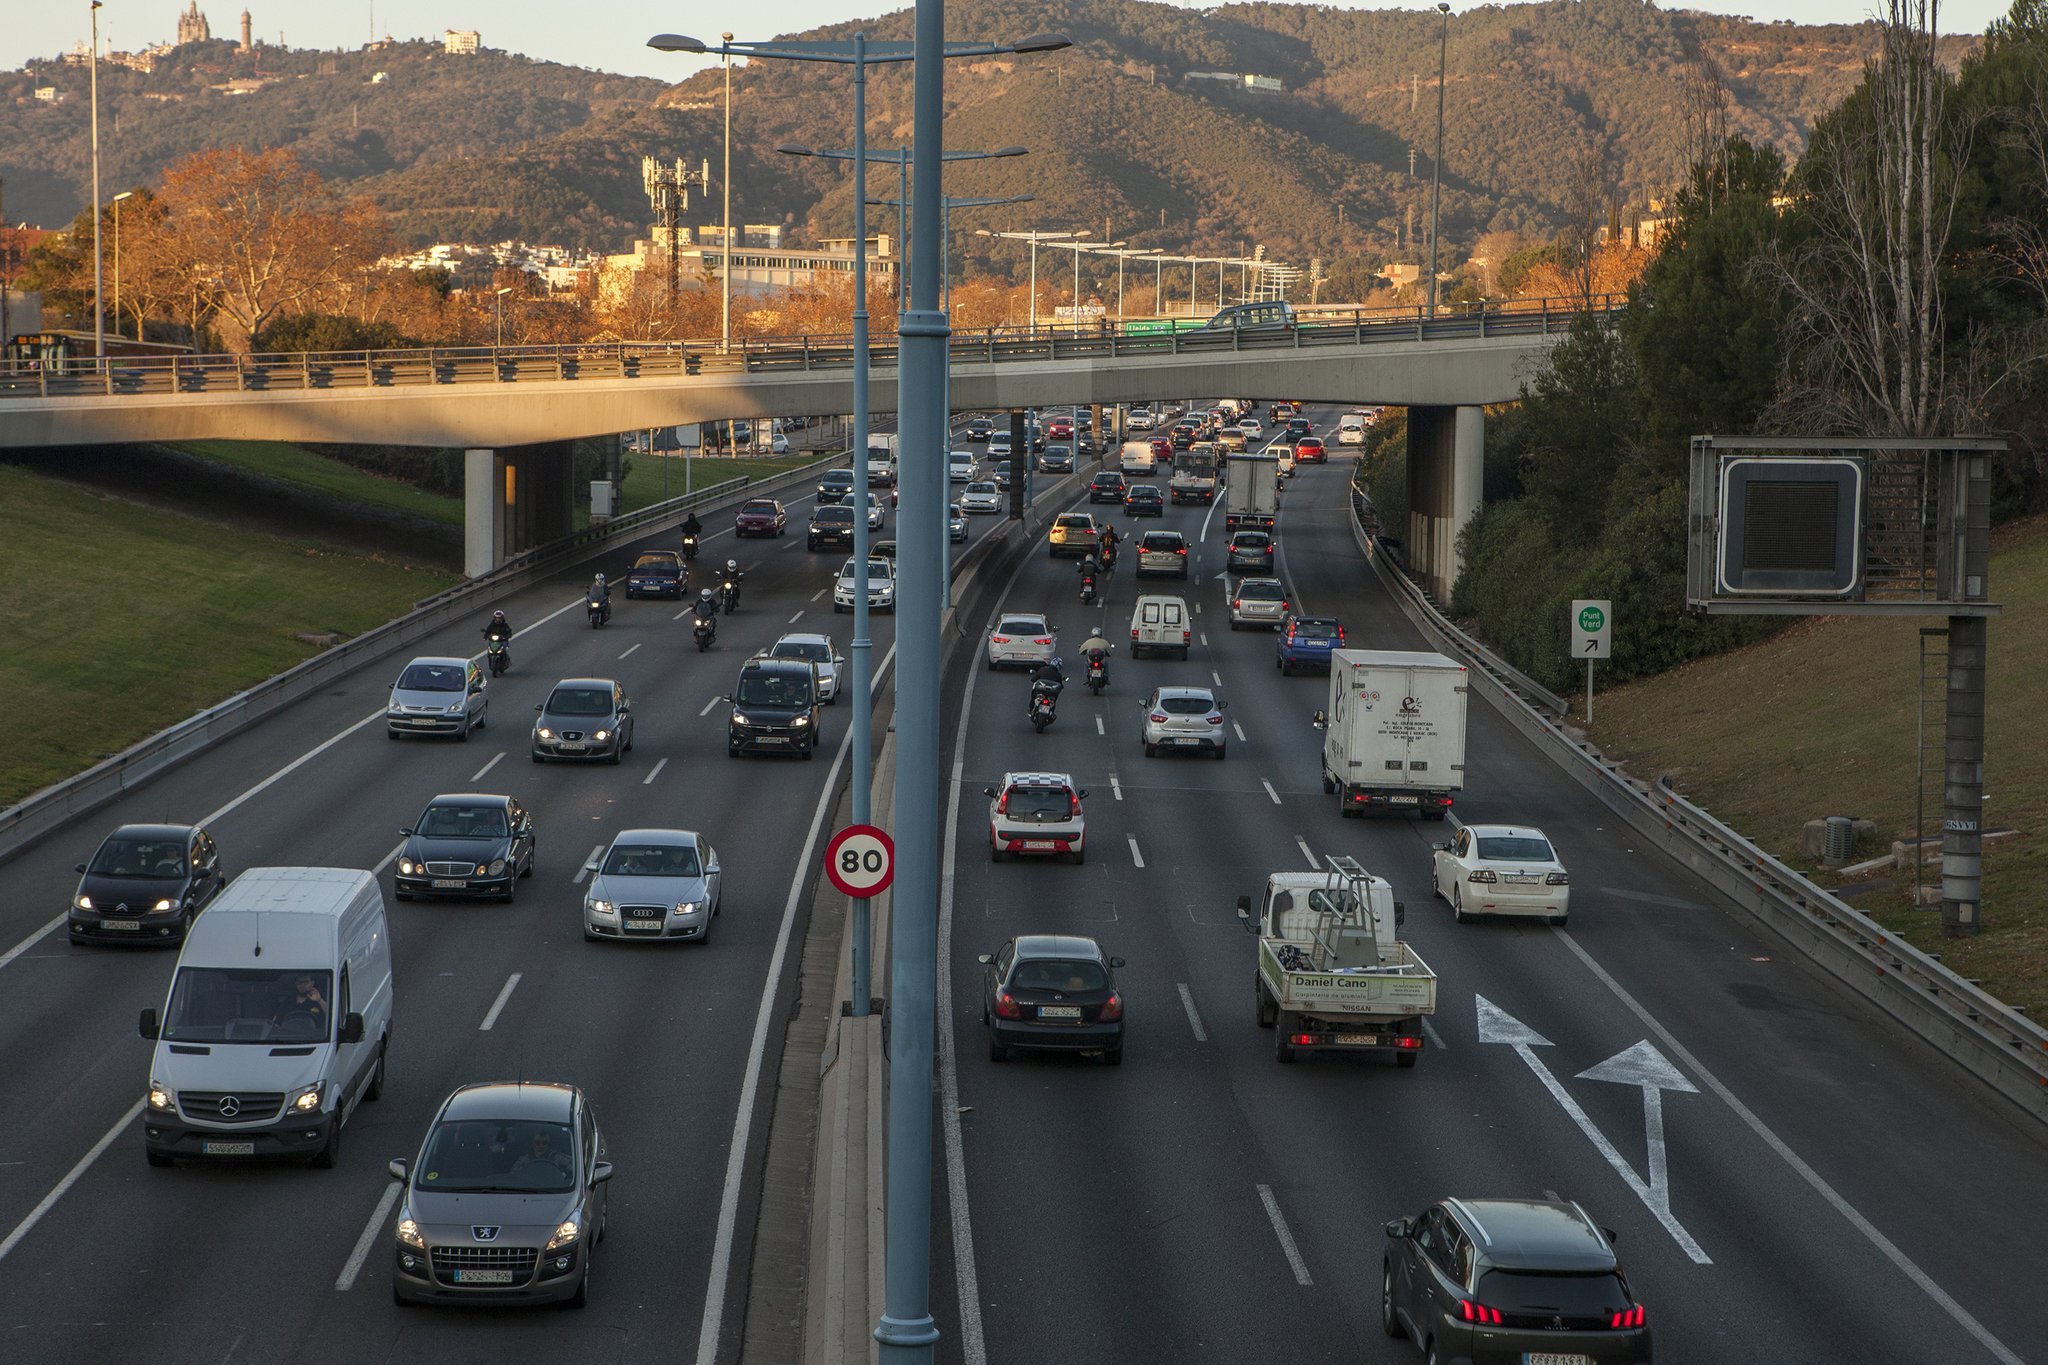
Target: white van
1137 457
277 1020
1160 622
1351 429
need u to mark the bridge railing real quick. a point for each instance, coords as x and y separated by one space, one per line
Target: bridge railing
629 360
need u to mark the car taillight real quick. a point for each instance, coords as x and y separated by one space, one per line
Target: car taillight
1186 636
1046 640
1000 639
1237 604
1628 1317
1340 635
1157 718
1180 549
1283 604
1113 1008
1557 879
1007 1006
1480 1313
1134 632
1003 804
1215 717
1481 874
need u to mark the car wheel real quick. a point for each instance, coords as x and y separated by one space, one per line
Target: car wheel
536 758
1283 1025
511 889
1151 751
1390 1321
532 856
996 1051
463 734
1329 787
810 751
613 757
1183 653
157 1158
1458 907
995 854
1219 753
402 895
581 1298
1233 623
1430 1356
329 1154
1560 920
1079 856
374 1091
1262 1001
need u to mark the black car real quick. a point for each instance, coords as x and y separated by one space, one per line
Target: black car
145 884
835 486
831 527
1057 460
1251 551
1052 993
1144 500
1504 1281
1108 486
1003 474
979 429
657 573
774 708
469 844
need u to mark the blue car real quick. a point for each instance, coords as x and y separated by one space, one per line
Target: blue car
657 573
1307 642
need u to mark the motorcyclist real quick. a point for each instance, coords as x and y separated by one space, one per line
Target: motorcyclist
1109 539
497 628
733 578
692 529
600 590
1048 679
1095 649
705 609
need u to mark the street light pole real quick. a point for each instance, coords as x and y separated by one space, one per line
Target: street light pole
99 311
501 315
124 194
725 228
1436 175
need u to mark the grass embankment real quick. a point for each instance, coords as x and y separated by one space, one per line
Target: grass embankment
296 465
1820 720
643 485
120 619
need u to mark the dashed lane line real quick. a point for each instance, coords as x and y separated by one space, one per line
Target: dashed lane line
498 1005
648 780
1294 1261
589 865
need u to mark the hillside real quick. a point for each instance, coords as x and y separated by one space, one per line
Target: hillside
491 146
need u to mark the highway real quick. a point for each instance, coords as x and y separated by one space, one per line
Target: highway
1817 1187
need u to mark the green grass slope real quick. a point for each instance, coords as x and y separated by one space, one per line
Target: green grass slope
321 474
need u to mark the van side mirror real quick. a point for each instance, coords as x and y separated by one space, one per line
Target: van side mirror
352 1028
1244 910
1400 912
1321 721
601 1172
147 1025
988 791
985 958
398 1169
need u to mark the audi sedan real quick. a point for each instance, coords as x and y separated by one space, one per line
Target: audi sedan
760 517
504 1200
583 718
1052 993
467 845
652 883
1501 870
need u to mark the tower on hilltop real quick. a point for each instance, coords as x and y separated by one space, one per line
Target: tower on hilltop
247 43
192 25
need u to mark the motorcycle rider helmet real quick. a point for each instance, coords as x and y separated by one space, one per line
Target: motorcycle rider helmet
704 595
732 566
497 618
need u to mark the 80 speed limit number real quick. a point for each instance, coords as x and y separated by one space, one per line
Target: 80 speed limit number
860 860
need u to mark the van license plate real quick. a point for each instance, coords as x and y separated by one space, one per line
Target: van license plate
483 1277
1359 1039
119 924
1401 800
228 1148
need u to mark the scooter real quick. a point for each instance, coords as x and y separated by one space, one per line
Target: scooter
705 630
1087 591
500 651
1098 672
1043 697
600 610
689 547
730 593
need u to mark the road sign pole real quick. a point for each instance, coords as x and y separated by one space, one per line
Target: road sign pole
1589 692
863 668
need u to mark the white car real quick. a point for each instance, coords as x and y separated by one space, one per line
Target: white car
1251 426
881 585
779 445
1036 813
1184 718
960 466
1351 429
1022 639
999 443
1501 870
1258 602
1139 419
1283 453
874 511
652 883
982 496
818 649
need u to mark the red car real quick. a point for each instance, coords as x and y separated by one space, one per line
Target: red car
1162 449
1310 450
1060 429
760 517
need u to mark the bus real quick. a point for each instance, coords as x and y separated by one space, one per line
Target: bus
60 352
1271 316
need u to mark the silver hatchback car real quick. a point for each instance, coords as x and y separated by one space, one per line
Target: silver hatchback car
1258 602
1183 718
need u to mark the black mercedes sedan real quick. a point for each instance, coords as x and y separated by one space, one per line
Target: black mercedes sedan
467 844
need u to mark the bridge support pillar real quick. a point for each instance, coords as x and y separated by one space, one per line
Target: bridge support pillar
1446 475
485 492
513 500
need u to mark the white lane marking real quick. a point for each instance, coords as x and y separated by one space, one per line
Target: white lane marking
511 983
1436 1040
1294 1261
1268 786
589 865
799 616
1205 639
18 949
1198 608
1136 856
1216 677
1187 1001
1452 816
1207 517
35 1215
388 859
631 649
346 1280
1240 732
708 705
648 780
681 614
1098 726
820 593
1820 1186
478 775
1307 852
757 1049
1115 789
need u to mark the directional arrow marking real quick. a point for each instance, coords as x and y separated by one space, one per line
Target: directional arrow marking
1632 1067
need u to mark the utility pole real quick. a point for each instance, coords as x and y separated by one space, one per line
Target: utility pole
99 312
668 192
1436 192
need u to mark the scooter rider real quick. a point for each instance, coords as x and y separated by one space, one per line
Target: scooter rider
731 586
706 611
1049 678
1095 649
498 628
692 530
1109 541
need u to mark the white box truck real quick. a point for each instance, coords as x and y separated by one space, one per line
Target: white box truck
882 459
1394 733
1251 493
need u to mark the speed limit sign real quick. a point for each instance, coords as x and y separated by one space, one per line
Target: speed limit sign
861 861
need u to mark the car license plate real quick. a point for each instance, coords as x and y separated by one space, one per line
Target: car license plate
1059 1011
119 924
770 739
1555 1358
1519 878
449 883
228 1148
1041 845
1401 800
572 746
1359 1039
483 1277
1187 741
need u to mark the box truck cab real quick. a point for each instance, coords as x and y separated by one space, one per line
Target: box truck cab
277 1019
882 459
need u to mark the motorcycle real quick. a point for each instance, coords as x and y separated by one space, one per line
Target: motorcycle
1043 697
1109 556
705 629
500 651
729 592
1098 672
1087 591
689 547
600 610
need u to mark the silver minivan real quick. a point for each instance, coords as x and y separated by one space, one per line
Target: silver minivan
436 695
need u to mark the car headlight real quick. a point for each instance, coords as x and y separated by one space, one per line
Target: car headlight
598 907
688 907
406 867
409 1234
83 902
164 903
801 721
307 1101
455 708
544 732
568 1232
601 736
738 719
162 1098
496 869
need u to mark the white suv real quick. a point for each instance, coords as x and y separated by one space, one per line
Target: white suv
1139 419
1036 813
1188 718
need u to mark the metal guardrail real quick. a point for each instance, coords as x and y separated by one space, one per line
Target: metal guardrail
54 806
216 374
1994 1041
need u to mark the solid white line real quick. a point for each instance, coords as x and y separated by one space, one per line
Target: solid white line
478 775
1294 1260
354 1266
497 1005
1452 816
1098 726
18 949
648 780
1269 789
1207 517
631 649
584 870
35 1215
1307 852
1436 1040
1813 1178
1240 732
707 707
799 616
388 859
1136 856
1187 1000
743 1119
681 614
1115 789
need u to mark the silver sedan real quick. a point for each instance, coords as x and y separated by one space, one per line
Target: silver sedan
652 883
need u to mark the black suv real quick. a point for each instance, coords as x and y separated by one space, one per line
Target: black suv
979 429
145 884
774 708
1503 1281
1108 486
831 527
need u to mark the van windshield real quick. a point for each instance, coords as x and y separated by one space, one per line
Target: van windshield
249 1005
780 689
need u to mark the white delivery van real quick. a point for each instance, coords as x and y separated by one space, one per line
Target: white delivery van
1137 457
1160 622
277 1020
882 459
1394 733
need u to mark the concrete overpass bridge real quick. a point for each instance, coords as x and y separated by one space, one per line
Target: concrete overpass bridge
513 408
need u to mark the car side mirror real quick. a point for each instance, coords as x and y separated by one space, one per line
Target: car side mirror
398 1169
78 867
1608 1233
1244 908
624 707
1321 721
1402 1228
988 791
1116 962
147 1025
1083 793
1400 912
352 1028
539 706
406 832
601 1172
985 958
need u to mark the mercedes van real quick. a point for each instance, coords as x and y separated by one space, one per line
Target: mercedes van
277 1020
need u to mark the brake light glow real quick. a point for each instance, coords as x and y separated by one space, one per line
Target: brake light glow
1003 804
1407 1040
1215 717
1002 639
1113 1009
1007 1006
1134 632
1340 635
1180 549
1628 1317
1480 1313
1186 636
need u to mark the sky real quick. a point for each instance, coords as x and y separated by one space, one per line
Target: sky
550 30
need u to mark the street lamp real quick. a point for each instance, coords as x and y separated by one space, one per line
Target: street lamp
1436 175
725 218
500 303
1033 237
1080 247
124 194
99 312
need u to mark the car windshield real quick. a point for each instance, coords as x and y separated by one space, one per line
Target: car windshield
1314 630
650 860
838 476
580 701
1021 625
1186 706
463 822
826 515
1057 452
655 564
139 858
249 1005
772 689
1552 1294
982 487
1039 803
1257 591
498 1156
1052 974
766 508
801 649
878 570
431 678
1514 848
